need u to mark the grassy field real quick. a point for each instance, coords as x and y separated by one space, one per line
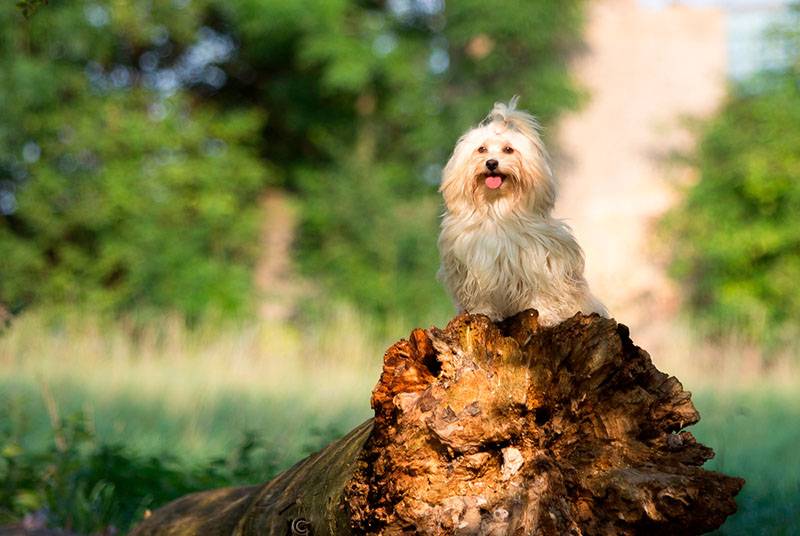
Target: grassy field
197 397
756 434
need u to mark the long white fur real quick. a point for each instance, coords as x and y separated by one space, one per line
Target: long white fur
501 250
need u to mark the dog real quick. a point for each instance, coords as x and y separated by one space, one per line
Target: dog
501 250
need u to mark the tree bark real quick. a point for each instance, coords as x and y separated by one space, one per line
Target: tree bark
493 429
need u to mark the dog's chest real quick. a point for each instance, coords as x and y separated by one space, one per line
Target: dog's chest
494 252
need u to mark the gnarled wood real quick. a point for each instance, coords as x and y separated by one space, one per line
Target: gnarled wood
495 429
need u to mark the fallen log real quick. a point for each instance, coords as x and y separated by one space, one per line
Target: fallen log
493 429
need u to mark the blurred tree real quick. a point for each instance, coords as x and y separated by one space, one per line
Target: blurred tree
362 102
134 207
737 233
29 7
111 194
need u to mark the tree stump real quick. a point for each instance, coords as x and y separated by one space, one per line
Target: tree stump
493 429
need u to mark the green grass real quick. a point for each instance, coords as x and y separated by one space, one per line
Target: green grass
756 436
210 407
290 425
194 393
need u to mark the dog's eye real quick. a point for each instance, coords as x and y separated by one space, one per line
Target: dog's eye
481 149
508 150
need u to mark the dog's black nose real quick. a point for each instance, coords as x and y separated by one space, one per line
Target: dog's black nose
492 164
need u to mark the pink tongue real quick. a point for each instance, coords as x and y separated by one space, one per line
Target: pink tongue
494 182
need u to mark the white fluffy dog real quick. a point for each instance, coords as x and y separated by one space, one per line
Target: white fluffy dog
501 250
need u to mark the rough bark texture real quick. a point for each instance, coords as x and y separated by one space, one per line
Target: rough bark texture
495 429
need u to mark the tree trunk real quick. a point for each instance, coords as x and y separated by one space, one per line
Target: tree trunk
494 429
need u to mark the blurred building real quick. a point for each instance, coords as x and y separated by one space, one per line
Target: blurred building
648 66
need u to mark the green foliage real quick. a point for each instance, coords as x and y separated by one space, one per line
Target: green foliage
381 249
87 486
124 199
155 212
29 7
737 233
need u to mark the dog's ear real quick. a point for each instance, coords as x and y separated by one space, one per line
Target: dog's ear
539 180
452 163
456 187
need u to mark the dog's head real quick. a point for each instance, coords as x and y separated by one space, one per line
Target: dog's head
501 163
